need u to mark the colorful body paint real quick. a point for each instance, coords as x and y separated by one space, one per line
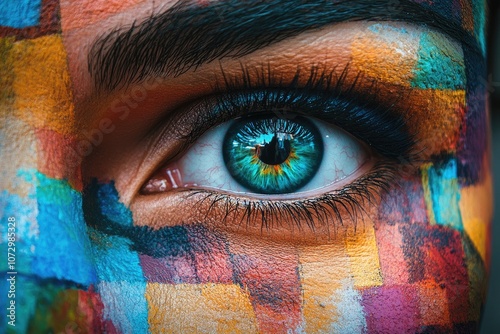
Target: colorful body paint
88 261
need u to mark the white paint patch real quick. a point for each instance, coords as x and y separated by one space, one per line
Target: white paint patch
351 316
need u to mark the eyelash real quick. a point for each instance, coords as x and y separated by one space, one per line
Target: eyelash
374 122
313 211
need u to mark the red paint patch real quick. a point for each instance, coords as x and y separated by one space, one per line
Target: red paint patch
211 256
445 264
57 158
274 287
90 307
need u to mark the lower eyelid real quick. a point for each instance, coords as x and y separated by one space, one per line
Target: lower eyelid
312 219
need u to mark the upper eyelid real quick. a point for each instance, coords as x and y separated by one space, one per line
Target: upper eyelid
395 141
329 86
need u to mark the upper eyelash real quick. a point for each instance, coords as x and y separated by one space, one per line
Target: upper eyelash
245 93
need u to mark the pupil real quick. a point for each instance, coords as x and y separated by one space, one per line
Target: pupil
276 151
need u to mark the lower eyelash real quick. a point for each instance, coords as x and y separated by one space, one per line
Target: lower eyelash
327 210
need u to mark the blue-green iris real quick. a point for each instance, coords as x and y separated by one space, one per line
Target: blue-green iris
272 155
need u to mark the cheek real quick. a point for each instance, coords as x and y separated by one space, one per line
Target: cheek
411 263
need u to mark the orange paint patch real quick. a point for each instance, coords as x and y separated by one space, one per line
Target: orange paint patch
386 53
78 14
476 208
438 116
42 84
467 15
56 157
322 271
363 254
433 304
199 308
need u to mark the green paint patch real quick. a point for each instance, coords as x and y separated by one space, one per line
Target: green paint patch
440 64
62 310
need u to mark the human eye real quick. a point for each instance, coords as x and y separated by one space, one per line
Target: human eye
306 153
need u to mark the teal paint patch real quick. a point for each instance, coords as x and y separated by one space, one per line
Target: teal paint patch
440 64
115 261
62 249
26 291
479 12
383 28
111 207
24 230
445 194
125 305
20 13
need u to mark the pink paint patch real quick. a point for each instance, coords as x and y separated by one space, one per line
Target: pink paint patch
392 261
57 158
391 309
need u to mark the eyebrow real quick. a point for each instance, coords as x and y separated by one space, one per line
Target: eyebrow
189 34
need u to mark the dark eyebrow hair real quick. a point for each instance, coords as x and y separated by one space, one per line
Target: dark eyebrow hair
189 34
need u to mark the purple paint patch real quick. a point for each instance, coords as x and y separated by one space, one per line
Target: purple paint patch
391 309
404 204
169 269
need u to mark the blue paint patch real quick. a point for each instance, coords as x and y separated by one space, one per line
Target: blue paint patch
125 305
445 194
111 207
115 261
440 64
62 249
23 211
20 13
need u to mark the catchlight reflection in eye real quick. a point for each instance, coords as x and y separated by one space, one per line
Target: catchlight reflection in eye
264 155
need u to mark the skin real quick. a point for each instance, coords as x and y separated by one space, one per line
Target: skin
413 259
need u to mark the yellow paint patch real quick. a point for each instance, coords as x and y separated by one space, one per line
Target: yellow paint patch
42 84
199 308
322 271
477 211
386 53
363 254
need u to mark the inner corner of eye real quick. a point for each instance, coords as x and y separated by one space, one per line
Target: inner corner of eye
265 155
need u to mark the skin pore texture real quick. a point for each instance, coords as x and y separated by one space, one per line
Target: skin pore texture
94 108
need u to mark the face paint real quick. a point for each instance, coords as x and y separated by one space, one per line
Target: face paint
93 253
